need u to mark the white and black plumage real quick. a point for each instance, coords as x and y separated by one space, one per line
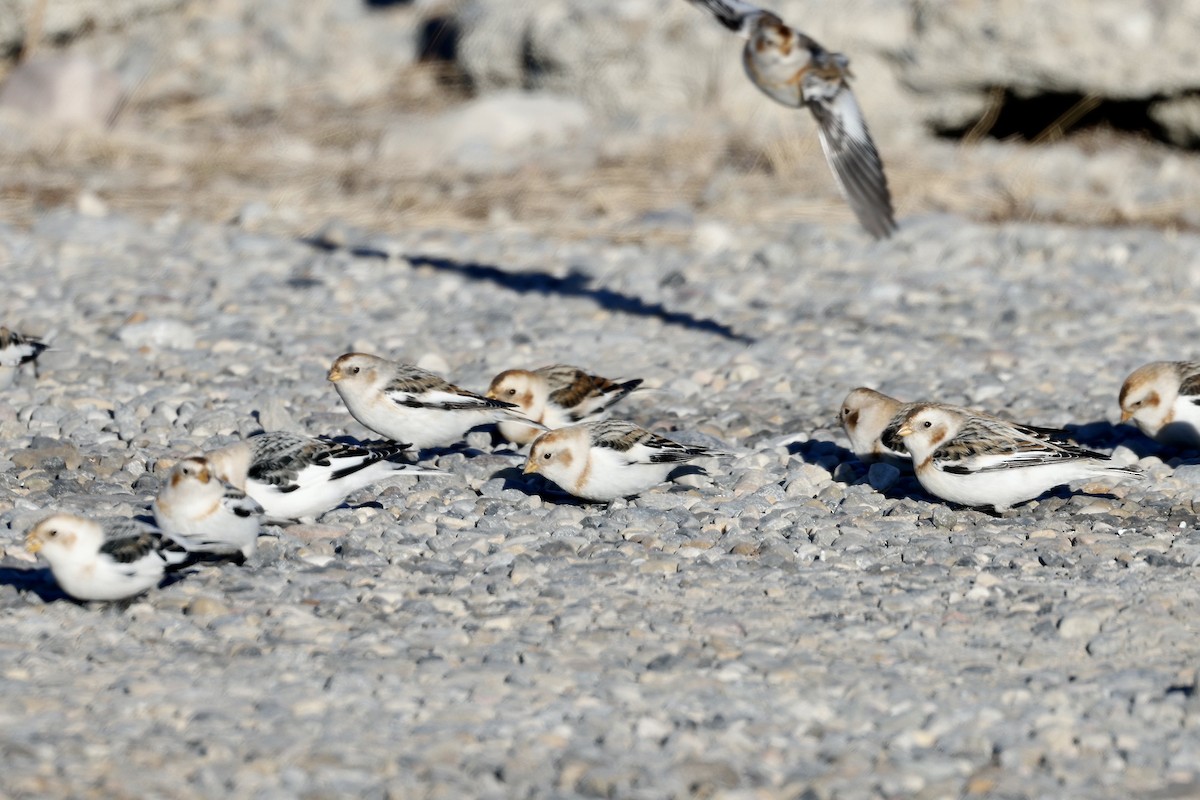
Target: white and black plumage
113 560
197 508
556 396
409 404
608 459
17 350
978 460
792 69
301 477
1163 399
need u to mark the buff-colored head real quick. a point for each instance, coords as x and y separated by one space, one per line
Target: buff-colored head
520 386
60 536
558 454
926 427
1148 396
864 415
355 369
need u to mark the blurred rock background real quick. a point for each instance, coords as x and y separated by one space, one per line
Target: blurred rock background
623 118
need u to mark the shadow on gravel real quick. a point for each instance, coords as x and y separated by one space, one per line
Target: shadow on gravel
515 478
576 284
39 581
1103 435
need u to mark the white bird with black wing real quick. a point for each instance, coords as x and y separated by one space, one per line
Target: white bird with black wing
409 404
792 69
605 460
113 560
301 477
17 350
978 460
196 507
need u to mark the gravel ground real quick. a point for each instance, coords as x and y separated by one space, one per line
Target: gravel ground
787 625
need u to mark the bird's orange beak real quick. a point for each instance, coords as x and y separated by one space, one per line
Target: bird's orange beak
33 542
531 467
905 430
1126 415
335 374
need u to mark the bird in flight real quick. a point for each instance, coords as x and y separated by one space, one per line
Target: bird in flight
794 70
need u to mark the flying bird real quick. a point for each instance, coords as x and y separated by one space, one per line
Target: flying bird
792 69
17 350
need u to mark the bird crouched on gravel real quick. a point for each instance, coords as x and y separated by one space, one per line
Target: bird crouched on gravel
1163 399
555 396
296 477
609 459
408 404
113 560
979 460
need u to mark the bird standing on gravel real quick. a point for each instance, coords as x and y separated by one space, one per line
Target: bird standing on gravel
196 506
979 460
865 414
794 70
1163 399
301 477
604 460
409 404
17 350
555 396
113 561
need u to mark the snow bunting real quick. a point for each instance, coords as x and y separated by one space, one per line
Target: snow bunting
864 415
1163 399
113 561
17 350
409 404
301 477
794 70
555 396
979 460
195 507
608 459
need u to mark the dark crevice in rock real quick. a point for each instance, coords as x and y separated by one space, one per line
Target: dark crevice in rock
1051 116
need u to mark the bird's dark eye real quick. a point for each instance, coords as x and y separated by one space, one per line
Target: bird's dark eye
546 456
354 370
52 533
928 424
512 392
846 412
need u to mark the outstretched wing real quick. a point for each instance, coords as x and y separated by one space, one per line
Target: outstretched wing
18 348
848 146
733 14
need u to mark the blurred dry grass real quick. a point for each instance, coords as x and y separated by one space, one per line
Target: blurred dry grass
311 164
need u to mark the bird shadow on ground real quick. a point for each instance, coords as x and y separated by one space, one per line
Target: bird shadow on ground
37 580
847 469
1103 435
575 284
515 478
